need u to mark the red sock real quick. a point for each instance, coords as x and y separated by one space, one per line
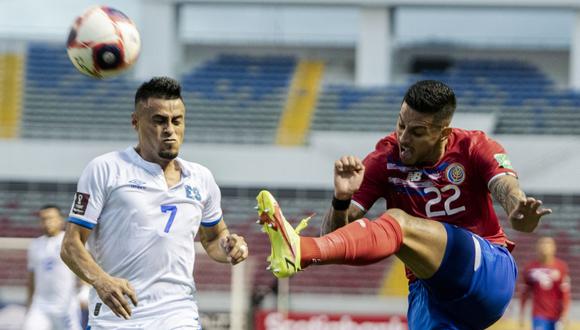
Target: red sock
361 242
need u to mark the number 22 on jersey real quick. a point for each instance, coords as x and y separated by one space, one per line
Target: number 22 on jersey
448 209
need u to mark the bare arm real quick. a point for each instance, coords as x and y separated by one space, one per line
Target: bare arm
348 176
110 289
222 246
566 299
334 219
29 289
524 212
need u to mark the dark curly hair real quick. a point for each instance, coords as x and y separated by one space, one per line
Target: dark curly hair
433 97
159 87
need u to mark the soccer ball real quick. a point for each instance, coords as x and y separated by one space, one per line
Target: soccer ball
103 42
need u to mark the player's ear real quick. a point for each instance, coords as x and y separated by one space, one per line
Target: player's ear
446 131
134 120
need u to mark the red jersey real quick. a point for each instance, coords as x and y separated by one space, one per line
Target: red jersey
454 190
550 287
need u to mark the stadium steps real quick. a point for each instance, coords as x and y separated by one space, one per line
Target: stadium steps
11 68
300 104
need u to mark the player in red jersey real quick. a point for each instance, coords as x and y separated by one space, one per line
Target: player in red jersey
439 221
547 280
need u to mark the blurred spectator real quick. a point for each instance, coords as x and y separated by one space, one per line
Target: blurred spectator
547 280
52 301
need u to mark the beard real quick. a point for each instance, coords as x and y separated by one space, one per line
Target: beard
166 154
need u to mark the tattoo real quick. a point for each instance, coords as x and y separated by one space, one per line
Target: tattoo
333 220
506 191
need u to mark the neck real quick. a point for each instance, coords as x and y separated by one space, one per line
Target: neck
52 234
437 153
547 259
154 158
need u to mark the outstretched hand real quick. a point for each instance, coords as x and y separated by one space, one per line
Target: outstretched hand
348 176
526 216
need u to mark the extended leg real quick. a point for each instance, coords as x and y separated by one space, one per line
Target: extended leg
419 243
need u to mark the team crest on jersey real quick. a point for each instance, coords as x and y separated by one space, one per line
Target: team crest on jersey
455 173
192 192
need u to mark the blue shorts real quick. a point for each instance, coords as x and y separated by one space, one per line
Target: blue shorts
539 323
471 289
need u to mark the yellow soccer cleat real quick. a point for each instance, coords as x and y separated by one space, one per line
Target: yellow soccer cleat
285 253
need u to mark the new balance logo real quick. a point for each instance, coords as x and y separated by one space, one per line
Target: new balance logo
414 176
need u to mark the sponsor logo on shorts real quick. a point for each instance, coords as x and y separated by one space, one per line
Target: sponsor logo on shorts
80 203
455 173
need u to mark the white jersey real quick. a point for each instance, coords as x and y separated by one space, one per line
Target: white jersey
143 231
54 283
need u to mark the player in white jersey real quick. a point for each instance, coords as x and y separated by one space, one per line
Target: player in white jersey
52 288
140 209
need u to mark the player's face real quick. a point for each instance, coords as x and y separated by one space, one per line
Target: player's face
160 125
546 247
50 221
420 137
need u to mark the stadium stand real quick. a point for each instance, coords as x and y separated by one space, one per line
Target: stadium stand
240 99
524 99
231 98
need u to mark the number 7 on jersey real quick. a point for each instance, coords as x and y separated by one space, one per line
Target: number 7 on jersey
173 210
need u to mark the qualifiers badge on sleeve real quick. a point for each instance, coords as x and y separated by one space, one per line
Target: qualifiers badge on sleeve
503 161
80 203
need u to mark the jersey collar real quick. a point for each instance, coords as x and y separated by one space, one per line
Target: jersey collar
154 168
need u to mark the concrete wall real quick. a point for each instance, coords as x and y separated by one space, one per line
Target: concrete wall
546 164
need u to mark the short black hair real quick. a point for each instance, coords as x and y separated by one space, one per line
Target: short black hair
50 206
432 96
158 87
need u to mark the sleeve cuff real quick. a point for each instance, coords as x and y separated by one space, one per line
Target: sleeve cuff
81 222
211 223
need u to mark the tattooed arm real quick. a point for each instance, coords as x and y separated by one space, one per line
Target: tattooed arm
334 219
524 212
348 176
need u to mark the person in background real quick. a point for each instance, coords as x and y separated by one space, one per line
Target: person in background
52 288
546 280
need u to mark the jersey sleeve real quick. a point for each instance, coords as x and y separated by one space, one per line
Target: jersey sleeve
371 188
31 256
90 196
212 210
491 159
